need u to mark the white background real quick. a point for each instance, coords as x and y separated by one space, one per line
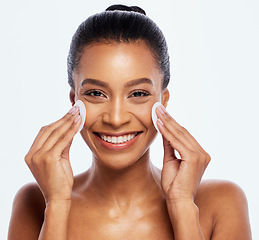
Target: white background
214 86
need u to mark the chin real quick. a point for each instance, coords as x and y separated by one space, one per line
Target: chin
120 162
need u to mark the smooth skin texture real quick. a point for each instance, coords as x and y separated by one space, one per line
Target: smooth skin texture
122 195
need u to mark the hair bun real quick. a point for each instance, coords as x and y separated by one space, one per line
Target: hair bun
126 8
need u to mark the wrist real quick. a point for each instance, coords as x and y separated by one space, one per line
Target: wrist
184 216
56 219
180 202
183 212
58 206
182 208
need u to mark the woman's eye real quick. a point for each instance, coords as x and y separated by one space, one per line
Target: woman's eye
95 93
140 94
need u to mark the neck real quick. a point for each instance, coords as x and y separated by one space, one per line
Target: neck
134 183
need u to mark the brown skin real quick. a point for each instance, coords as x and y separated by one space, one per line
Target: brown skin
122 195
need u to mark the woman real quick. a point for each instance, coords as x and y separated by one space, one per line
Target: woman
118 65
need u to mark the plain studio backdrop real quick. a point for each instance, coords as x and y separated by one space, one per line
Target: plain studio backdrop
214 84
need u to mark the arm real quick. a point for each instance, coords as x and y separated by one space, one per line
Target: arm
181 180
185 220
231 219
48 160
27 220
228 208
56 221
27 213
181 177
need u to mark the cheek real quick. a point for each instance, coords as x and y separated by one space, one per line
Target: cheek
143 114
92 112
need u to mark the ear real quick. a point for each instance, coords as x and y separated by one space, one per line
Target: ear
72 96
165 97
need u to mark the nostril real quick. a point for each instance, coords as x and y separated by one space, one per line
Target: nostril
116 118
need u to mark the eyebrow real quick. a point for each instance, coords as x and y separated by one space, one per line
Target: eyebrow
131 83
138 81
95 82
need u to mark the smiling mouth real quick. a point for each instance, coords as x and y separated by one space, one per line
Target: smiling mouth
118 139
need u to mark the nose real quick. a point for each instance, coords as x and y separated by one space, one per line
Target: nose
116 114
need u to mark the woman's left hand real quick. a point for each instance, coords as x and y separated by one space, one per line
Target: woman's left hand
180 177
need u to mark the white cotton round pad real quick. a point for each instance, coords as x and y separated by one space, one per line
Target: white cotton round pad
82 111
154 116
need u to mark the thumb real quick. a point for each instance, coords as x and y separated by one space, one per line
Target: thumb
170 165
169 152
65 152
65 162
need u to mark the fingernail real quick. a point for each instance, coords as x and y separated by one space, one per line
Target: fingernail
159 120
71 110
77 118
162 109
75 110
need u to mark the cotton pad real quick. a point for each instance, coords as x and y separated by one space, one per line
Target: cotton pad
82 111
154 116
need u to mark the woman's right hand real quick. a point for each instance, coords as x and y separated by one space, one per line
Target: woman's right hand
48 157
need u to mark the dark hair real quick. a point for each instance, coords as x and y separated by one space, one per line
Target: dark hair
119 23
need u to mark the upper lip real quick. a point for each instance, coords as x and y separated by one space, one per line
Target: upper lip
117 134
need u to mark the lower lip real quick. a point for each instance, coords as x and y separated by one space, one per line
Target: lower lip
117 146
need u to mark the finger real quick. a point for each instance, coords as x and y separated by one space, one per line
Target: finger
175 143
63 144
191 154
46 131
175 132
59 132
38 136
60 149
197 145
186 133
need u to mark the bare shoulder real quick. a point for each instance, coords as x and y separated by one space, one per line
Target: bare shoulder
227 204
216 191
29 192
220 196
27 213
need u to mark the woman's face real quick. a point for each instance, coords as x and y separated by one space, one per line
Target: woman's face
118 83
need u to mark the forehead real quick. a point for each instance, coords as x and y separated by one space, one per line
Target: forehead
117 62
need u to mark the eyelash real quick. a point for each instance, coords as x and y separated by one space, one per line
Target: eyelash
93 92
144 93
90 93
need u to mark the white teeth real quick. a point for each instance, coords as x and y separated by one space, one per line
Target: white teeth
114 139
120 139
